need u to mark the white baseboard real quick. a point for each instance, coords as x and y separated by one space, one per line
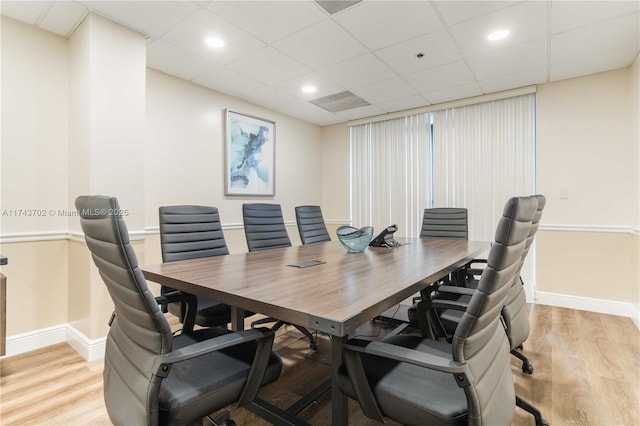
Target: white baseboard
90 350
602 306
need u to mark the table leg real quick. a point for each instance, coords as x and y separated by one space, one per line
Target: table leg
237 319
339 403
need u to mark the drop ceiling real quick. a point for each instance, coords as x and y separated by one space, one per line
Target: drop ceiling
274 48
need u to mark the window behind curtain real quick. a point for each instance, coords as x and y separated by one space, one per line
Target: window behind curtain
391 173
480 155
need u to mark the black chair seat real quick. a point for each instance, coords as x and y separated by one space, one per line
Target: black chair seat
212 314
214 379
409 394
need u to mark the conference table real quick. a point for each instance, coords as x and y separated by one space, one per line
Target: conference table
319 286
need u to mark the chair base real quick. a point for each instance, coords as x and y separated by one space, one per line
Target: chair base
532 410
221 419
527 367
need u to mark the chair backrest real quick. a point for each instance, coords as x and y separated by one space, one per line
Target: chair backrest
189 232
445 222
139 332
264 226
514 313
311 225
480 339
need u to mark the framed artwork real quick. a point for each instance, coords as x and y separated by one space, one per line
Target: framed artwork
249 155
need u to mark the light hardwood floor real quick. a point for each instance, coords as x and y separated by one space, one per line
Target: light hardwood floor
587 372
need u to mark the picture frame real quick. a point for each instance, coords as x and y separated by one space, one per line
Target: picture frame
249 155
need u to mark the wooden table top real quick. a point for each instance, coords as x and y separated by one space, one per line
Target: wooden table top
334 297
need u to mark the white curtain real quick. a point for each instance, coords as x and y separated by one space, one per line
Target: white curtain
391 173
482 155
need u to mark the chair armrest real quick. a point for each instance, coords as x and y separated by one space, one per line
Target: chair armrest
449 304
463 291
191 302
411 356
162 364
354 349
428 319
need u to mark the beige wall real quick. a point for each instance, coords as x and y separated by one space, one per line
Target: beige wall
336 178
46 125
185 152
33 175
635 185
34 128
586 145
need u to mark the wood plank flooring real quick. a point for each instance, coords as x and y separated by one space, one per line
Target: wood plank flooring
587 372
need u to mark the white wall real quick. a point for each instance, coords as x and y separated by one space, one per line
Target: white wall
34 171
34 129
587 146
587 143
584 147
56 145
185 154
336 174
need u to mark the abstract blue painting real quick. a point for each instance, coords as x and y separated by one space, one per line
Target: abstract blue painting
250 155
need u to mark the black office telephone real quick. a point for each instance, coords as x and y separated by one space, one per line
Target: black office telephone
385 238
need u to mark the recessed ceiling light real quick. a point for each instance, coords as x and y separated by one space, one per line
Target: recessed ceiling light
214 42
498 35
309 89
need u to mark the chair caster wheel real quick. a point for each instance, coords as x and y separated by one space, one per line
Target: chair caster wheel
527 368
313 346
231 423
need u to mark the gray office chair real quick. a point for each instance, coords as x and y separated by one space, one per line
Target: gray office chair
191 232
311 225
442 222
264 226
151 376
264 229
514 314
419 381
445 222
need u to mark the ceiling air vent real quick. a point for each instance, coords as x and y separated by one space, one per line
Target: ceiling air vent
339 102
336 6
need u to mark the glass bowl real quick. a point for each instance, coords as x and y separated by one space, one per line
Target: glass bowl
353 239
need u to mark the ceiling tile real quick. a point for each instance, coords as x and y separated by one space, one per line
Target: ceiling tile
437 47
440 78
569 15
526 21
453 93
224 80
403 104
167 58
379 24
25 11
63 18
357 72
514 80
268 65
269 20
506 61
360 112
311 113
191 33
615 34
603 61
148 17
324 86
454 12
321 45
268 97
386 90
